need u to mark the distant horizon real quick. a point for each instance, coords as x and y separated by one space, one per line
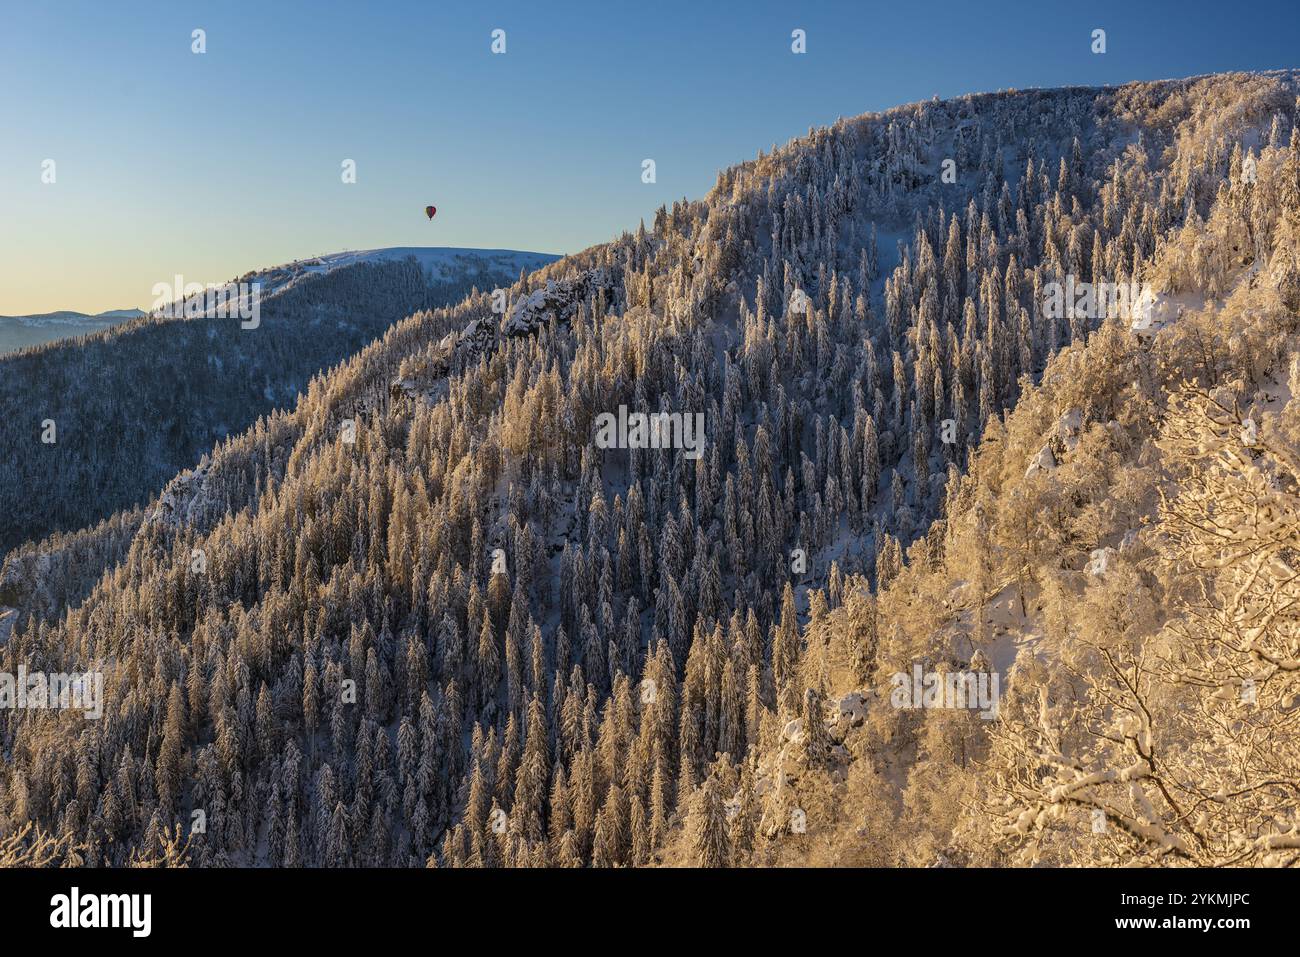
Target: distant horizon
73 312
524 150
145 308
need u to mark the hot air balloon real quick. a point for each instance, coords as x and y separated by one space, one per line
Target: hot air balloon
430 210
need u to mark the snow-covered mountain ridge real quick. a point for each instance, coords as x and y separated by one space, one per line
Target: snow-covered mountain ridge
440 264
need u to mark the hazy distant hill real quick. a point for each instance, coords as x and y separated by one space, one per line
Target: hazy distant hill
20 332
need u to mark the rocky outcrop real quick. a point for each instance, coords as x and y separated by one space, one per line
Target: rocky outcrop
558 299
184 500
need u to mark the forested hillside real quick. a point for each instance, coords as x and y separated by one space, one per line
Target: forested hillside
1134 589
422 617
133 405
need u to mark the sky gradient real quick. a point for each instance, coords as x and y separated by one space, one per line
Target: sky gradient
211 165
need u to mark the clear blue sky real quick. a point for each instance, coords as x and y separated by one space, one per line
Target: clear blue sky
210 165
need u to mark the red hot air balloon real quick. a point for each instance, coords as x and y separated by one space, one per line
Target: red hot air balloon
430 210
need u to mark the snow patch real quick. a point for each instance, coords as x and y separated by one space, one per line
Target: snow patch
1043 462
1069 427
1099 561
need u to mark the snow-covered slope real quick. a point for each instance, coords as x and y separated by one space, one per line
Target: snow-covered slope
440 263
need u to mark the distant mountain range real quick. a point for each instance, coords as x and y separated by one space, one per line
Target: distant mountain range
68 317
19 332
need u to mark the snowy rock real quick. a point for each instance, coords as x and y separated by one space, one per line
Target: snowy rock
1152 312
1044 461
1069 427
852 708
559 298
185 500
1249 433
793 731
401 387
474 329
1099 561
